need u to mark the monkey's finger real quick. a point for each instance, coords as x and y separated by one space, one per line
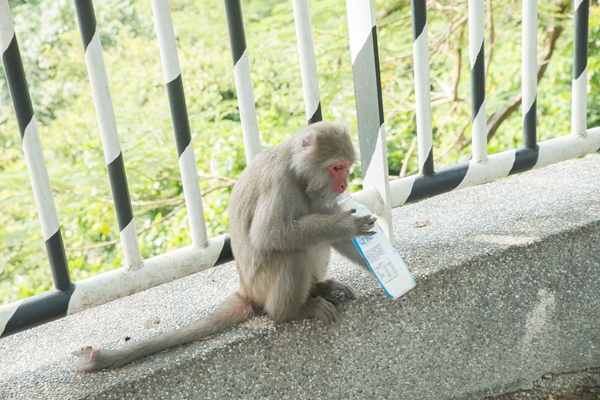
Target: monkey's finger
365 227
367 233
370 221
367 220
332 313
330 298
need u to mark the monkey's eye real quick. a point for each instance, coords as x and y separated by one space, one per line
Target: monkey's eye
338 168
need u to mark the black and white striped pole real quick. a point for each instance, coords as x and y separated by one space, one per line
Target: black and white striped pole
580 56
527 157
181 125
422 86
308 63
108 131
529 73
243 80
32 148
369 104
477 58
22 314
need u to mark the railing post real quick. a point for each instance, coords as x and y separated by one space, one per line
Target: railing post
529 73
422 86
181 124
108 131
32 148
243 80
580 56
527 157
308 64
477 58
369 103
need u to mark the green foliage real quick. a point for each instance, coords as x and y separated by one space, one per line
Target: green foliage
594 68
53 58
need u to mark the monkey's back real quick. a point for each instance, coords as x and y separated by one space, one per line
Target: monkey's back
264 184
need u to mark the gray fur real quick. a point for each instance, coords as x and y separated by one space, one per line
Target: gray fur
283 220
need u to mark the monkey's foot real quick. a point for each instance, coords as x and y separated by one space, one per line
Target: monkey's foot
326 288
319 308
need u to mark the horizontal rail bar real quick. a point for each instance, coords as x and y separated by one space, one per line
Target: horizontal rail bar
100 289
497 166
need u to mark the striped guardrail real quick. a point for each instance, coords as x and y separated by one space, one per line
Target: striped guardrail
380 193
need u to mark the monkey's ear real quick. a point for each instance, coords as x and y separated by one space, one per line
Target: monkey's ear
309 140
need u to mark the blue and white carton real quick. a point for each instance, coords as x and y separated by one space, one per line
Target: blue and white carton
382 258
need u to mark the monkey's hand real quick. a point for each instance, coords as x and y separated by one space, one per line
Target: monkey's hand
363 225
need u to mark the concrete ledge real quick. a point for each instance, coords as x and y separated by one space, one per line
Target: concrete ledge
508 290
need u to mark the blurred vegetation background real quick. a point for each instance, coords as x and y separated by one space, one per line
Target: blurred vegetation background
54 64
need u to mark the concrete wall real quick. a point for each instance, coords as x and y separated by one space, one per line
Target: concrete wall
508 289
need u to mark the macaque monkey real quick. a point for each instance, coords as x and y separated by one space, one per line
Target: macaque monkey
283 220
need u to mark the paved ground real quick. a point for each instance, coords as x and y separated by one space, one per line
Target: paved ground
580 385
508 287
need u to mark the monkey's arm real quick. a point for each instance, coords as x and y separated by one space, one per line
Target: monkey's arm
275 228
348 250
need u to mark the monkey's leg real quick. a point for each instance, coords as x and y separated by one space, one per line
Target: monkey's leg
326 288
288 295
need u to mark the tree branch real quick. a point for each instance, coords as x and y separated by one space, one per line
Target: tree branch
407 157
392 9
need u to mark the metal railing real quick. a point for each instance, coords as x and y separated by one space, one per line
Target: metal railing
379 193
483 168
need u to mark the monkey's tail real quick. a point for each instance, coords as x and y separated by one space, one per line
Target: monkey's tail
233 310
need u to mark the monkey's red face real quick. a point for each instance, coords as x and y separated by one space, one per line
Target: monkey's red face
339 172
